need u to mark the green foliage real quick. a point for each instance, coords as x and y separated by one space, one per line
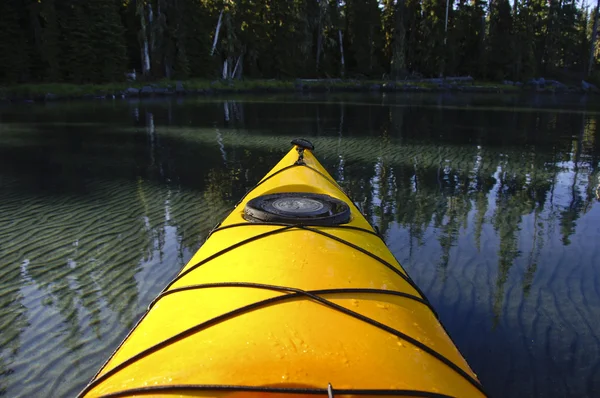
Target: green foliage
76 49
45 39
14 46
524 65
500 40
100 40
432 32
466 38
106 35
365 41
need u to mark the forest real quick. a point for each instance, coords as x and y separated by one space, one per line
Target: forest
99 41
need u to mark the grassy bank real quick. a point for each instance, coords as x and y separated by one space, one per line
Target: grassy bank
48 91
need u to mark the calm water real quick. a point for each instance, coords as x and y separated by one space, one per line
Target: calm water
491 204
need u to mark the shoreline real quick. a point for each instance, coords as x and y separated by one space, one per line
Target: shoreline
30 93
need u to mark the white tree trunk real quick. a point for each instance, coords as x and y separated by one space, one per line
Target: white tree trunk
217 30
593 40
446 24
151 23
235 69
240 71
226 110
342 50
146 58
225 69
145 45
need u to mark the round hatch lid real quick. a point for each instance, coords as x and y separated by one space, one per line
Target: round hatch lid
297 208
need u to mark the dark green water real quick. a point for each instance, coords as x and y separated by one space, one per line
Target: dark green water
491 204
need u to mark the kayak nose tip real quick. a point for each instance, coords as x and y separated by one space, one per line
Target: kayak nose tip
303 143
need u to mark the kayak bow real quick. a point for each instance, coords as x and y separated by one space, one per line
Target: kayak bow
293 294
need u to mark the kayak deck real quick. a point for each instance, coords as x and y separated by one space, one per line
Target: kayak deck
275 308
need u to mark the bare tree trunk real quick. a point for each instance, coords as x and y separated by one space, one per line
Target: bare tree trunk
144 37
446 23
593 40
238 68
151 23
319 46
226 110
217 30
225 69
343 67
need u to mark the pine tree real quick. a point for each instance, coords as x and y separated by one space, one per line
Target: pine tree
387 20
500 40
130 21
570 40
466 40
414 35
289 25
106 35
50 46
432 56
398 61
76 47
525 64
15 47
44 35
336 38
551 56
364 37
255 34
198 24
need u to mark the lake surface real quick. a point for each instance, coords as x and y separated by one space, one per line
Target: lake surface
490 203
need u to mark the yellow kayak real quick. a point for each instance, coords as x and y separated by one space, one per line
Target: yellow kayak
293 294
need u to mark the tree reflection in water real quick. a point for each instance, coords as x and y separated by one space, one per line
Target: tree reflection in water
491 210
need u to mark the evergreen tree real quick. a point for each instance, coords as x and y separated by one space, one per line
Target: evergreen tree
413 35
255 33
432 56
336 38
500 40
524 65
50 43
45 37
14 45
198 26
466 39
364 39
551 57
76 47
398 61
106 35
99 40
387 20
